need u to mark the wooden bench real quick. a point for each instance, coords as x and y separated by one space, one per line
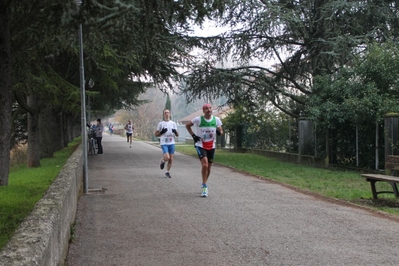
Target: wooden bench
391 167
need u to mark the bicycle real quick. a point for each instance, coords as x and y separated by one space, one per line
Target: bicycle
92 143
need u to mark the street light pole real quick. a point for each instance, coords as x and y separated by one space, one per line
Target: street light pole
83 108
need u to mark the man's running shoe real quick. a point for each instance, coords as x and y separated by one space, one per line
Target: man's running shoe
162 164
204 192
168 175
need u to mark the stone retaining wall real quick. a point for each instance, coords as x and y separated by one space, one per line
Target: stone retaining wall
43 237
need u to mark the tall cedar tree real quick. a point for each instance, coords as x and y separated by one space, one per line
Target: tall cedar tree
277 49
129 40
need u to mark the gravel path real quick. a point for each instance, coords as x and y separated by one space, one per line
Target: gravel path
143 218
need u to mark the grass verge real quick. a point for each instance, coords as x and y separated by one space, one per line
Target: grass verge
26 187
347 186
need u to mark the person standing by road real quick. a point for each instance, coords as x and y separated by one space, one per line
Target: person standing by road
129 132
99 136
111 129
207 127
166 131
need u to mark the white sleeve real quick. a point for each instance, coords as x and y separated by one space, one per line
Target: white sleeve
196 121
159 127
218 122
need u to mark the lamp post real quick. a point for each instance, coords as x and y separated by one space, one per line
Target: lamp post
83 107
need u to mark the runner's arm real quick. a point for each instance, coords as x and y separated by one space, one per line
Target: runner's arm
188 127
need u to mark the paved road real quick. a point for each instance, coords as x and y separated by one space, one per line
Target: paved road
146 219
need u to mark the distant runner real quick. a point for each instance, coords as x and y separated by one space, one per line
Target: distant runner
129 132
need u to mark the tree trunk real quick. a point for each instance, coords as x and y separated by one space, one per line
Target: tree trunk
333 146
33 132
48 129
76 127
327 159
51 132
5 93
59 132
73 127
66 127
